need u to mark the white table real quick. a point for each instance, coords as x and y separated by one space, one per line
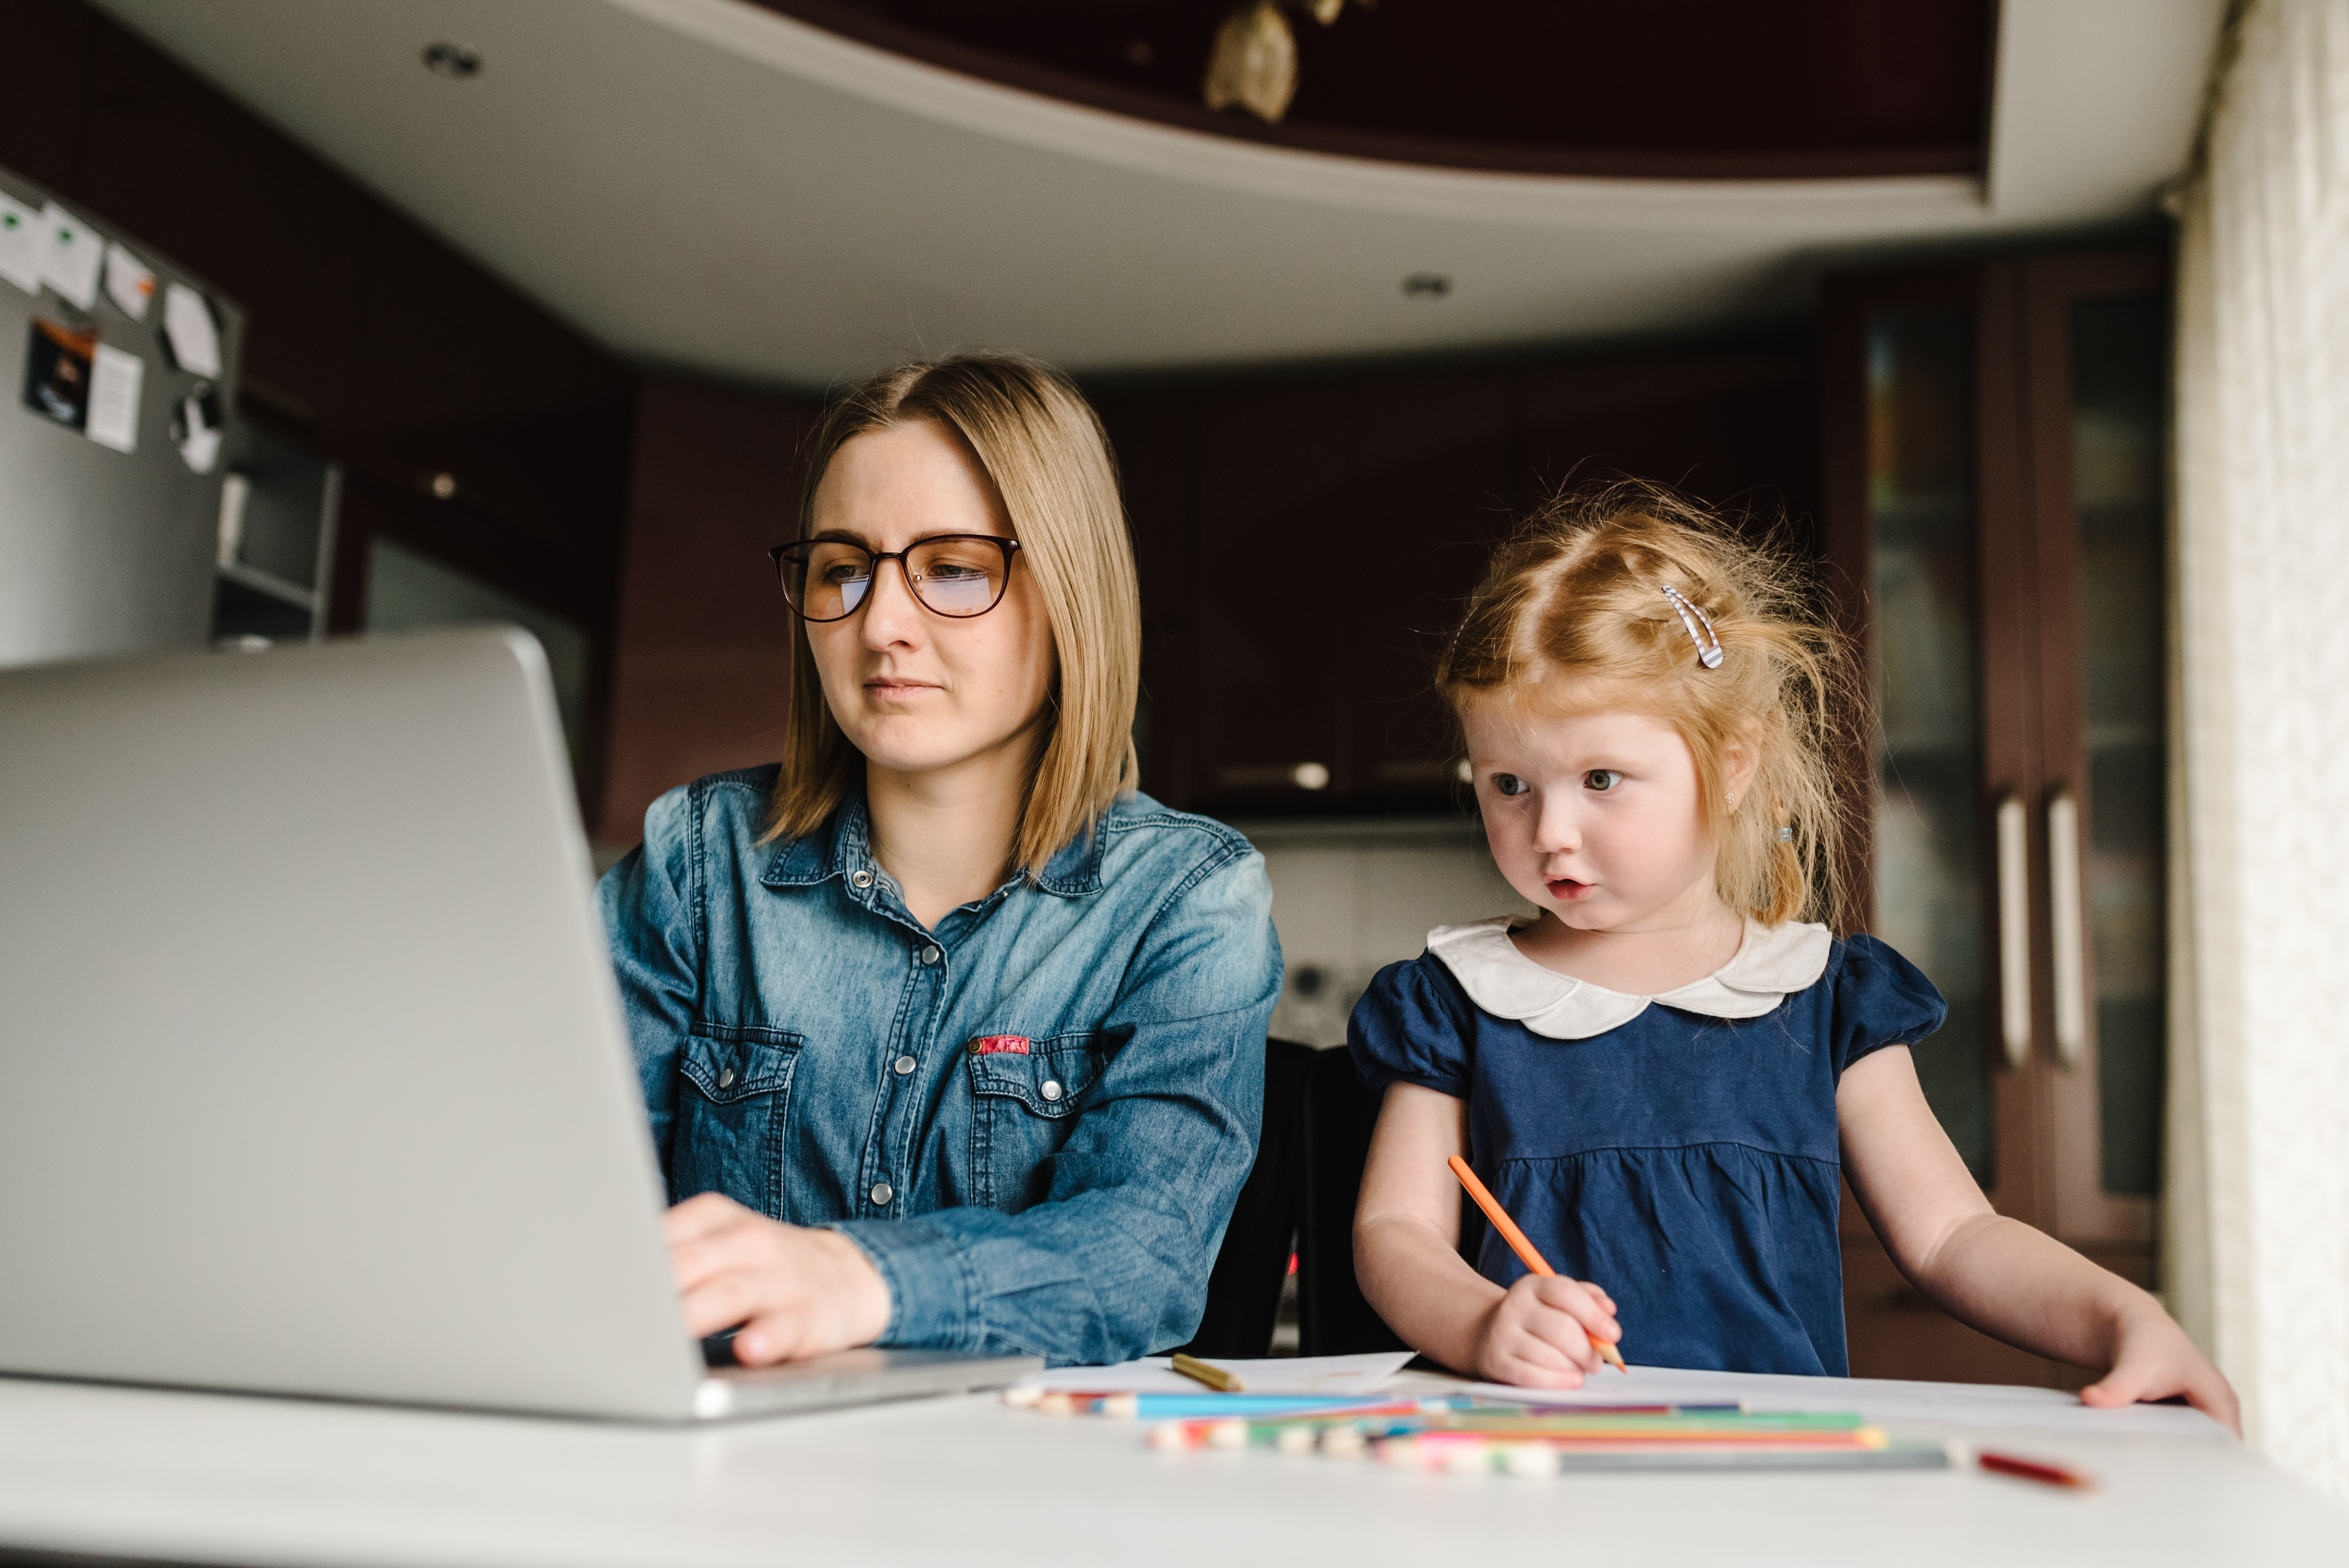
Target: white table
208 1478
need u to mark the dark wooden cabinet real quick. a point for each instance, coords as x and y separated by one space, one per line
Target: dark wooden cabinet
462 389
40 113
1433 486
1156 433
1994 437
701 676
1307 542
1270 714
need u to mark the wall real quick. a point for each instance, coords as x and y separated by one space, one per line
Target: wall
1351 897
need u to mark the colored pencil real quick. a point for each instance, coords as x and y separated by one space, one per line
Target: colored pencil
1534 1262
1402 1418
2040 1470
1214 1378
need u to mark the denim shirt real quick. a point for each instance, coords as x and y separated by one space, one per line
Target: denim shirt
809 1049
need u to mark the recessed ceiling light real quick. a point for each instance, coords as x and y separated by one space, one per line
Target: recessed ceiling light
451 60
1426 285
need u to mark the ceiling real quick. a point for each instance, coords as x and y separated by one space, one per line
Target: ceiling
1671 89
713 186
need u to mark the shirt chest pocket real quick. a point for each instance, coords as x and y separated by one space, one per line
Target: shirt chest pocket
730 1107
1024 1106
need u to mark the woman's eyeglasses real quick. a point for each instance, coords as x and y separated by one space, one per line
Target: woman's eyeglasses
954 574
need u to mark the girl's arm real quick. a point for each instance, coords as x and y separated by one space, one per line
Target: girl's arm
1998 1275
1406 1253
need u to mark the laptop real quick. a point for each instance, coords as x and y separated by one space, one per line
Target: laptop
313 1079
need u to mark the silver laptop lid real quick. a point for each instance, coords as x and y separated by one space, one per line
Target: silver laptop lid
312 1077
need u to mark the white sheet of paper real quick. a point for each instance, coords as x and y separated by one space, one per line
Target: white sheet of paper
188 325
1881 1400
114 379
22 235
130 282
71 255
1276 1375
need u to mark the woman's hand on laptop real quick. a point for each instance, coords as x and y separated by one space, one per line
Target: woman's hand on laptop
796 1292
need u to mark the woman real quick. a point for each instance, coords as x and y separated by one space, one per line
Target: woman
948 1037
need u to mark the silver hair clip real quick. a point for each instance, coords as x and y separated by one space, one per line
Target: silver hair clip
1708 643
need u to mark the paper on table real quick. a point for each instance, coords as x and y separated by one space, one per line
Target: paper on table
114 379
188 331
1881 1400
130 282
22 235
1276 1375
70 254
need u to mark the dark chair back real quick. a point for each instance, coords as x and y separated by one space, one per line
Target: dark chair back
1244 1290
1333 1319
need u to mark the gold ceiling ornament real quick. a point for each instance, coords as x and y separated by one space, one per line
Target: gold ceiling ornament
1254 62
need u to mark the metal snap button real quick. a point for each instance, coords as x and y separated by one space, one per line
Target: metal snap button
903 1066
882 1193
1052 1088
726 1078
929 954
861 878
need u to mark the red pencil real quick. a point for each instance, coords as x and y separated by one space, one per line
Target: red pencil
1533 1260
2033 1469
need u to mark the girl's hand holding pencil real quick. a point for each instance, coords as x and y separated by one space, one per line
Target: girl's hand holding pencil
1546 1332
1523 1328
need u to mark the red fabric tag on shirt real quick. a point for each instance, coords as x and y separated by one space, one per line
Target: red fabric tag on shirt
999 1044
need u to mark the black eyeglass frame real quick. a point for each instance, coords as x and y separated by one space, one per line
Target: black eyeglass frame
779 553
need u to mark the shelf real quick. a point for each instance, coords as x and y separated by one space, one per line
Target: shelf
274 586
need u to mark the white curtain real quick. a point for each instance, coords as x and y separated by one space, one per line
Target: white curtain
2260 1168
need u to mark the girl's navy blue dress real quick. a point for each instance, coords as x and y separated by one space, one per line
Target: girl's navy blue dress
1680 1150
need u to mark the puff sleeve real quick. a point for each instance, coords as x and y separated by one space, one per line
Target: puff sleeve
1413 1025
1881 999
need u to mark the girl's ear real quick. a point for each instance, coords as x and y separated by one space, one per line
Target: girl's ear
1740 760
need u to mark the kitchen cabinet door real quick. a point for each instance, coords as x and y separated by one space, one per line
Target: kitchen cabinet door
1992 437
1431 494
1272 670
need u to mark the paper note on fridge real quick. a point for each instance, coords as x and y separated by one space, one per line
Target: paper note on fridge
22 235
130 282
190 332
114 381
71 257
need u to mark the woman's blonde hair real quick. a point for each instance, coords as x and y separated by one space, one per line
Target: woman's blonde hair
1043 447
1573 612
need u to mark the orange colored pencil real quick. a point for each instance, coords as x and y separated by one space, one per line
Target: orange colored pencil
1533 1260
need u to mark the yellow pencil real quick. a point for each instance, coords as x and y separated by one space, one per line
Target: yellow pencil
1533 1260
1214 1378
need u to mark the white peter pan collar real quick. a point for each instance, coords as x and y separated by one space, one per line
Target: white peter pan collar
1769 963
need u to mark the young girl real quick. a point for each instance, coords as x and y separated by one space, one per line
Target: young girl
1665 1076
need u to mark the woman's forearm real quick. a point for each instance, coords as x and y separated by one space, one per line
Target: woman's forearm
1415 1281
2021 1285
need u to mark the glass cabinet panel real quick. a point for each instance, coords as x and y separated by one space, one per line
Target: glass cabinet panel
1924 666
2117 387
